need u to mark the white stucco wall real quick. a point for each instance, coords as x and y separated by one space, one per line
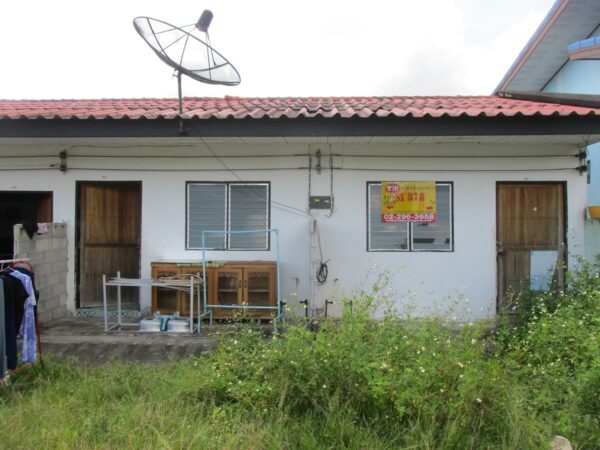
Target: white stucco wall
423 279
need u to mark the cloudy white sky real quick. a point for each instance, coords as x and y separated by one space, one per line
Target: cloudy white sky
81 49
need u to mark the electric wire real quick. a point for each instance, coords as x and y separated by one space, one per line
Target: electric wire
120 169
459 156
27 156
29 168
387 169
344 155
178 156
331 202
270 169
323 270
269 155
278 205
25 165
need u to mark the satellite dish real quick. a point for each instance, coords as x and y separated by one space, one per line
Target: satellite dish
188 51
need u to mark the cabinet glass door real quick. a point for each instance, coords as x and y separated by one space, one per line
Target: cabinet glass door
228 290
259 290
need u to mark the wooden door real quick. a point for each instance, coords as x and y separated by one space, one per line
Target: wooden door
259 289
109 224
531 238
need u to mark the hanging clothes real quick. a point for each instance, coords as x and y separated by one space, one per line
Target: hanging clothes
14 300
31 275
2 333
27 329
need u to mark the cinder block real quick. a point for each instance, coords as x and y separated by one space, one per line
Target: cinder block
43 306
41 282
59 231
42 245
47 256
56 267
23 247
43 318
25 243
57 256
43 268
54 255
58 290
63 258
49 279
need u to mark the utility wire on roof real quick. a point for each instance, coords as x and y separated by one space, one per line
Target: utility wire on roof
278 205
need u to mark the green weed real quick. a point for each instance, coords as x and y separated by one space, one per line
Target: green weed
393 383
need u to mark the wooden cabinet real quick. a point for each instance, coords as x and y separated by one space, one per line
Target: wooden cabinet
240 283
166 300
244 284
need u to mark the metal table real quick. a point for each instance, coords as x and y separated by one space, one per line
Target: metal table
189 286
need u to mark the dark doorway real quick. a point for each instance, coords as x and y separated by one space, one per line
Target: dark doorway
18 207
108 237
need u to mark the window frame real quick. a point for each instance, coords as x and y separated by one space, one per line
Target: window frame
227 210
410 248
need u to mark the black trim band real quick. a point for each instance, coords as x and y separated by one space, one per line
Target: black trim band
304 127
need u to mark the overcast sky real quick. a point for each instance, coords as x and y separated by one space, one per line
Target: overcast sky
83 49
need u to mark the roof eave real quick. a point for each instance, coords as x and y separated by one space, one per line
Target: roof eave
583 100
533 42
517 125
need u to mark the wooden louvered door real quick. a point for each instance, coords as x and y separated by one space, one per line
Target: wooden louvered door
530 238
109 224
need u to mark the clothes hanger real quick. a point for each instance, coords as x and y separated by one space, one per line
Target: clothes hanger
25 263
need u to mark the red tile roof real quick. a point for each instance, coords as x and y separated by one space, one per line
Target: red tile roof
288 107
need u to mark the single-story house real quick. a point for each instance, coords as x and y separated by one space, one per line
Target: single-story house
136 183
553 66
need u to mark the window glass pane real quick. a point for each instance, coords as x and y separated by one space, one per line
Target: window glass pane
436 235
206 211
248 210
384 236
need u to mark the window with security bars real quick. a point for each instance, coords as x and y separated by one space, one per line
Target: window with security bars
230 207
410 237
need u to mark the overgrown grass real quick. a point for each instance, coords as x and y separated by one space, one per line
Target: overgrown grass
353 383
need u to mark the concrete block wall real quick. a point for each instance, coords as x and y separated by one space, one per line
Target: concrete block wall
49 257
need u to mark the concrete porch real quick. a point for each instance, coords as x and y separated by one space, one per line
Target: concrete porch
84 339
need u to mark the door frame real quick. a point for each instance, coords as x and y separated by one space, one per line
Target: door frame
78 185
565 258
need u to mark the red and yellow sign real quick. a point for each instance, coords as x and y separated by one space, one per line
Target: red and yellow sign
408 201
